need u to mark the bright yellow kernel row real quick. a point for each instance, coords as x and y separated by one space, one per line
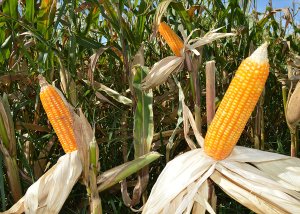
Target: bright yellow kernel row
172 39
235 109
59 116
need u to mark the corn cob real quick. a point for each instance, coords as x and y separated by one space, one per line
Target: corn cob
59 115
237 105
172 39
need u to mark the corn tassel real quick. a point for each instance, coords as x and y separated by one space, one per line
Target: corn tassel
59 115
237 105
172 39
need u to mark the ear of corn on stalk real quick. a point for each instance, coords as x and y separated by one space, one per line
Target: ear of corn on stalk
237 105
172 39
59 115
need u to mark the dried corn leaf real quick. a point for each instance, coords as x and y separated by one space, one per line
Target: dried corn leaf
5 129
110 92
161 71
93 62
206 39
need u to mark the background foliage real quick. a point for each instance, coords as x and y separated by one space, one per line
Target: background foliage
76 43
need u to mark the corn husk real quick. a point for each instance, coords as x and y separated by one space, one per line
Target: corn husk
209 37
256 188
49 192
293 107
162 70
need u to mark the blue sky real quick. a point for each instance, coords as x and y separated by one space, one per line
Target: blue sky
261 4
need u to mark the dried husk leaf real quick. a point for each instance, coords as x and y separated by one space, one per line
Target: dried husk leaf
293 107
243 196
283 199
84 135
17 208
176 176
201 200
48 194
160 10
161 71
211 36
286 172
263 193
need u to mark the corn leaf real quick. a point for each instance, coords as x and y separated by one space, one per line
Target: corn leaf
45 17
10 125
12 172
111 93
10 8
143 118
119 173
29 11
179 8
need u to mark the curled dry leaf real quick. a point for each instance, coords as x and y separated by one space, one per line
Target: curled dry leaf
160 10
110 92
162 70
211 36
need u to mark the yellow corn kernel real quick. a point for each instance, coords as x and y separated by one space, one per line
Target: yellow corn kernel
172 39
238 103
59 115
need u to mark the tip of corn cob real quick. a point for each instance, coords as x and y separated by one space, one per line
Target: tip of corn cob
42 81
260 55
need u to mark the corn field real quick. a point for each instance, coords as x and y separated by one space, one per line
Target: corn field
102 102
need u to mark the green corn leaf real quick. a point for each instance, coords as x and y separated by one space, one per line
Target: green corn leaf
45 17
178 6
10 8
87 42
143 117
30 10
4 126
119 173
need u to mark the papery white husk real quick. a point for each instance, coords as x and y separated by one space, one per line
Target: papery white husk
237 175
48 194
162 70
